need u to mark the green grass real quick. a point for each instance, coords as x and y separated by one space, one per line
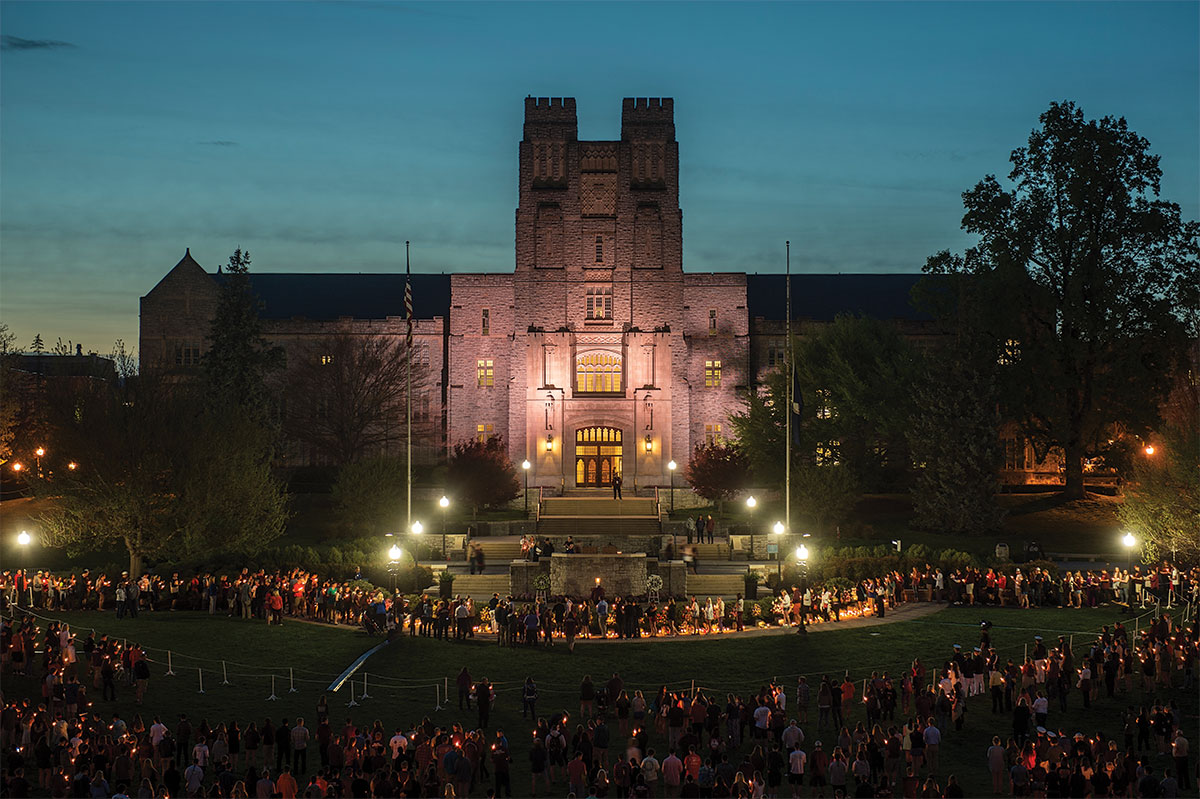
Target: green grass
403 677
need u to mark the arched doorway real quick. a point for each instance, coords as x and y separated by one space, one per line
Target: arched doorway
597 455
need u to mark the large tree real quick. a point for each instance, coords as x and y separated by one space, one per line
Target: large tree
346 395
481 473
855 376
953 440
239 360
1162 506
160 474
717 470
1079 279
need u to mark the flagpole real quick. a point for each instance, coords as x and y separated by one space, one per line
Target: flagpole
787 488
408 353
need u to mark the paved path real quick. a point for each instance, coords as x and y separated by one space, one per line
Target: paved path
906 612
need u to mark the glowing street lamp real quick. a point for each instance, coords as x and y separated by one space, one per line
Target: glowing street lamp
671 467
1130 542
394 554
525 464
778 530
751 504
1149 450
17 466
23 538
444 503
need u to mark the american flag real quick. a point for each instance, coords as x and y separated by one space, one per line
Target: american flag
408 310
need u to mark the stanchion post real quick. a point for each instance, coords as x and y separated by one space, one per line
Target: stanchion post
224 675
272 697
292 681
365 695
200 674
438 694
170 671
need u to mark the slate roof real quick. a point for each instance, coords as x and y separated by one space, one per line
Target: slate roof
823 297
328 296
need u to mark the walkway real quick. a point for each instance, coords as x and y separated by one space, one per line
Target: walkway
906 612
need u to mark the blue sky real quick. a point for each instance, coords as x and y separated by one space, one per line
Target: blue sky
321 135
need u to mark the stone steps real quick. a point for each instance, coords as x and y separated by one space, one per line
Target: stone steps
498 551
598 507
706 585
557 526
480 587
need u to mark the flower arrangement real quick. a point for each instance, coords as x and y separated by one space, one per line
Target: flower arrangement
654 582
541 582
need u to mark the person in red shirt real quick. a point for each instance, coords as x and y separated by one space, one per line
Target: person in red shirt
577 775
286 784
692 763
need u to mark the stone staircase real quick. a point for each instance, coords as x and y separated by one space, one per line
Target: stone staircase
706 585
480 587
500 550
579 515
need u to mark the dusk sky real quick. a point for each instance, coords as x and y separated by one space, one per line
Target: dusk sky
322 135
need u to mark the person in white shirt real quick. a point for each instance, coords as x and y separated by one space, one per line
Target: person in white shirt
158 731
398 743
796 763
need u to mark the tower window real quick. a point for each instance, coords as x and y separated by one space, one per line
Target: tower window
483 432
599 249
598 373
327 360
712 434
485 323
187 354
712 374
712 321
485 373
598 302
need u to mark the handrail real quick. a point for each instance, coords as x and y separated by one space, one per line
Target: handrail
537 513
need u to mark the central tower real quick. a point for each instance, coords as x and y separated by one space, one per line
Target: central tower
588 355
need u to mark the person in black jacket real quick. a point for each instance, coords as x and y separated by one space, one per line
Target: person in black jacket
283 745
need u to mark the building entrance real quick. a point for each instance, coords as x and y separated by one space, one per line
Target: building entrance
597 455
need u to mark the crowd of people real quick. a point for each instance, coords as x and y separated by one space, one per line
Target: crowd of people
626 742
301 594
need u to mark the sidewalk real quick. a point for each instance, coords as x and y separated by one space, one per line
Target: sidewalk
906 612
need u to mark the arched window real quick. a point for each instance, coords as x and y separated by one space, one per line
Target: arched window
598 373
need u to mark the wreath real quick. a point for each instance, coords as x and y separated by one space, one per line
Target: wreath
654 582
541 582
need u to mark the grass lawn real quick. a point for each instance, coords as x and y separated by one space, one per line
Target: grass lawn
402 677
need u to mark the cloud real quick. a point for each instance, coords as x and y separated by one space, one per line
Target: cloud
17 43
219 143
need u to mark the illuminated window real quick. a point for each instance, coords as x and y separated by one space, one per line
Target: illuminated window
712 374
712 322
1010 353
829 453
598 373
712 433
485 324
326 360
485 373
598 302
824 404
483 432
187 354
599 249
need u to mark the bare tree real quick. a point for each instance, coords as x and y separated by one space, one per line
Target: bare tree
345 395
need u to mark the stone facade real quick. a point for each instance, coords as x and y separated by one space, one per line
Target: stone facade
596 355
601 355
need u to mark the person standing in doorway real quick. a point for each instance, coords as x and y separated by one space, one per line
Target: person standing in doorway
616 483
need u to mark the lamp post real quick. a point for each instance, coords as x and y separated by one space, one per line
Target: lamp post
23 538
802 562
444 503
394 554
751 504
416 530
39 452
671 467
1130 542
525 464
778 530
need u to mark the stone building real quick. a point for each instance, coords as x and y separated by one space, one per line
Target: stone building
598 354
